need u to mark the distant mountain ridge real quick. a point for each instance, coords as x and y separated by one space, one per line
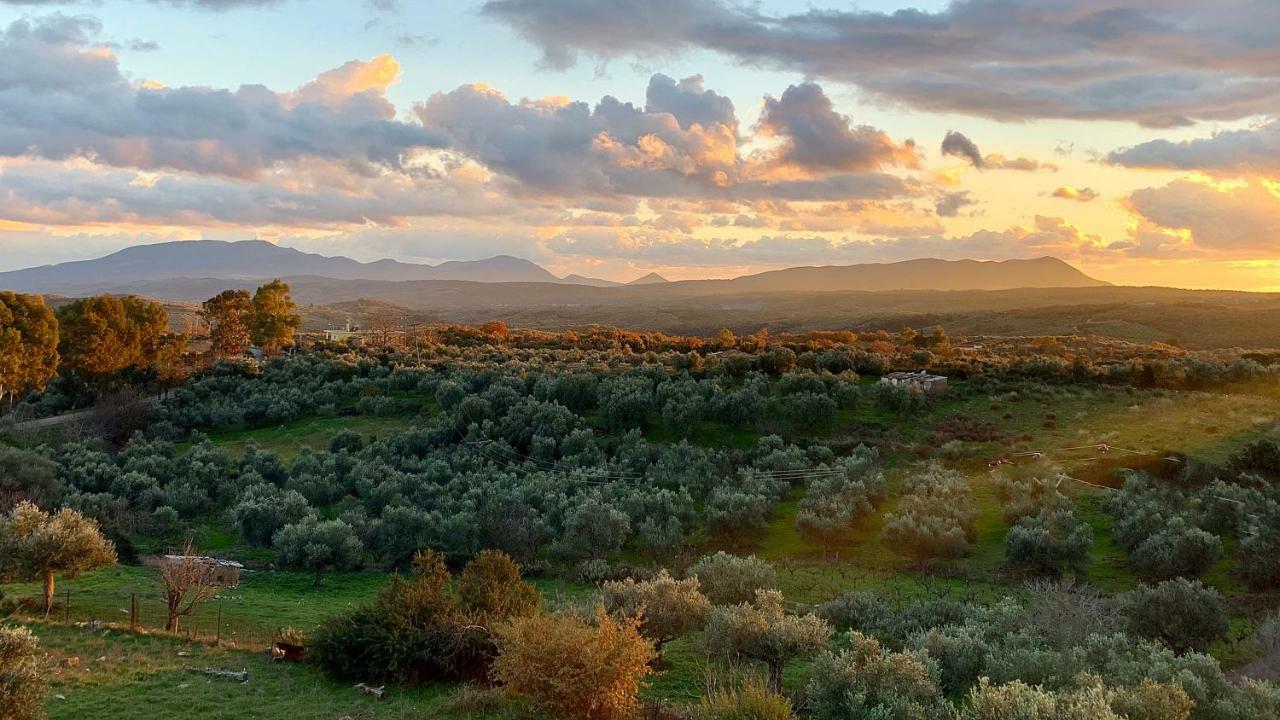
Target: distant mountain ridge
173 270
250 260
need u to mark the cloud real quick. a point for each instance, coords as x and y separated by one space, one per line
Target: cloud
63 96
689 102
1047 236
214 5
559 147
1067 192
1160 63
1251 150
952 202
78 193
958 145
815 136
1239 219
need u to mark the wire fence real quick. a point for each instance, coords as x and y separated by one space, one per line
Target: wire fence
214 621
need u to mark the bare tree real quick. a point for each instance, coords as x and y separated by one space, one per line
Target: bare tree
187 582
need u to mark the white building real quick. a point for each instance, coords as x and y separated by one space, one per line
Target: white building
922 381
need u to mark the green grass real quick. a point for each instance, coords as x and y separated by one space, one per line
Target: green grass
289 438
123 676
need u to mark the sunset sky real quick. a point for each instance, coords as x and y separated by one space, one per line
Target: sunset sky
1136 139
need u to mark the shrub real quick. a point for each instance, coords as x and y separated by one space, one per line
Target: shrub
572 668
1183 614
490 586
727 579
1259 552
22 679
750 700
1177 550
668 608
863 681
935 518
762 631
318 545
861 611
1028 488
1049 542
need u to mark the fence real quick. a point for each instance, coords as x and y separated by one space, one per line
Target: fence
213 621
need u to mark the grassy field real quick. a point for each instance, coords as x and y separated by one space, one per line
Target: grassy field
288 439
118 674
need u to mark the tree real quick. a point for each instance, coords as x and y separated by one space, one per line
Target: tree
318 545
727 579
27 475
274 318
1049 542
864 680
491 587
1182 613
35 544
725 339
935 518
28 344
1177 549
187 583
572 668
762 631
22 679
667 608
101 335
227 315
264 508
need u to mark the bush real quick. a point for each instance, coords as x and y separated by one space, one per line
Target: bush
1259 552
936 517
491 587
762 631
1181 613
572 668
750 700
667 608
861 611
1177 550
1049 542
22 679
728 580
863 681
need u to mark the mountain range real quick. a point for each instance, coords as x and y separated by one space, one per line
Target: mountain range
1042 296
158 266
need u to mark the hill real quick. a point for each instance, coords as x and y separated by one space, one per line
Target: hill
248 260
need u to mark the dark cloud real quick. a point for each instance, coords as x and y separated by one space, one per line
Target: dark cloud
689 102
63 96
951 203
816 136
1157 62
1251 150
958 145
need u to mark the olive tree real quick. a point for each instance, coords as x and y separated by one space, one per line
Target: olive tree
1182 613
764 632
1049 542
317 545
37 545
728 579
667 608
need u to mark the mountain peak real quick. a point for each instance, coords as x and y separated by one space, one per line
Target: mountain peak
650 279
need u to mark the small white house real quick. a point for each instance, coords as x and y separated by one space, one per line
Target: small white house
922 381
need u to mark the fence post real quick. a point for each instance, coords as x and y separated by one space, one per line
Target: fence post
133 612
218 633
66 608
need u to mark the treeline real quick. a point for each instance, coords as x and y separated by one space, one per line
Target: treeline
93 344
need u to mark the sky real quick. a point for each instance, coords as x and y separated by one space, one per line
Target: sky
1137 139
